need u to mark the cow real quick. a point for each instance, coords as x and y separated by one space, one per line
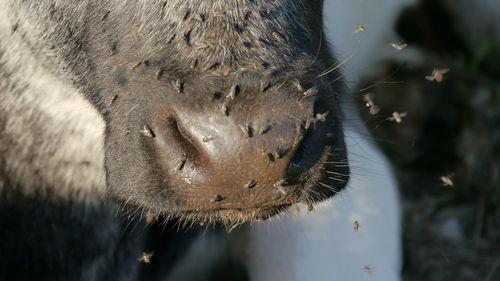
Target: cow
197 114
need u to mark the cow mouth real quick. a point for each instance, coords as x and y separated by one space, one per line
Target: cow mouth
232 215
315 188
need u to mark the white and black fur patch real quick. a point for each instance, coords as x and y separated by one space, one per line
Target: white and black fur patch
51 142
51 136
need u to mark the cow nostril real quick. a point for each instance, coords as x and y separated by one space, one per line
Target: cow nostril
179 134
177 138
311 147
294 171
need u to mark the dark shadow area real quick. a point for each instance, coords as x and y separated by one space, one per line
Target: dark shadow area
446 150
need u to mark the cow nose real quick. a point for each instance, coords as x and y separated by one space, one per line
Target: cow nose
231 157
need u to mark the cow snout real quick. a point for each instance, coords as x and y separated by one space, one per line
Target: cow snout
231 114
236 150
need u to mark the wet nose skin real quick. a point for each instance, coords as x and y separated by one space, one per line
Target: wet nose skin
232 158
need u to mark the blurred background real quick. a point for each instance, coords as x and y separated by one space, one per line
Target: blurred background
425 75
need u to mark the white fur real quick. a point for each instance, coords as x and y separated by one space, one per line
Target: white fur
55 135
